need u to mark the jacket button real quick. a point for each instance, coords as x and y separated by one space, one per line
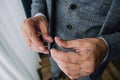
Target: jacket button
69 27
73 6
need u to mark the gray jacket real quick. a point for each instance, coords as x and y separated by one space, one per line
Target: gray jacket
110 29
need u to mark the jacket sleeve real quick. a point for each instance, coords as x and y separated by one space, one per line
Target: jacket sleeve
113 41
38 6
111 31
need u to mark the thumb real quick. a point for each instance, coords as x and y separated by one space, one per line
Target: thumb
65 44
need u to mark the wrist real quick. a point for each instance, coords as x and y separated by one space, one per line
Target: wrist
103 50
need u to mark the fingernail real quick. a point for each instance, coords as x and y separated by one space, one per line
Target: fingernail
57 38
46 52
52 50
41 48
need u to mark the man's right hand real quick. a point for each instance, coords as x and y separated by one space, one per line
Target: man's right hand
34 27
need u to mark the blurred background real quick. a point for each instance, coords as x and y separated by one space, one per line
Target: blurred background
17 61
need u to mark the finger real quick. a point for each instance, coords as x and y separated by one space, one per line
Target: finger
43 25
27 40
68 57
81 46
67 44
33 48
61 55
38 46
32 36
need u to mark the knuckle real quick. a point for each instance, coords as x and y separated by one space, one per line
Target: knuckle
38 42
35 43
31 34
29 21
41 19
29 41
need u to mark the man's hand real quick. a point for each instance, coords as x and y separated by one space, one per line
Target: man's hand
89 53
34 27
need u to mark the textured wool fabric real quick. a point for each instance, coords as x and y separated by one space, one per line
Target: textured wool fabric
85 18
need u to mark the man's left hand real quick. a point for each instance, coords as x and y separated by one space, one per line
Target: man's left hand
89 53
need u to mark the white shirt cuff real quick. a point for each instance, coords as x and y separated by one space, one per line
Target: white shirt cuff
40 14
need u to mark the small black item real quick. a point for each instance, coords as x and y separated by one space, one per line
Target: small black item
73 6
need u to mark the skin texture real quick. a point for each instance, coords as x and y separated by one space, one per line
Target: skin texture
89 52
84 60
31 29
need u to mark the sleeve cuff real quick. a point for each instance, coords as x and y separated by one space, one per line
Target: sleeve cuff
40 14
